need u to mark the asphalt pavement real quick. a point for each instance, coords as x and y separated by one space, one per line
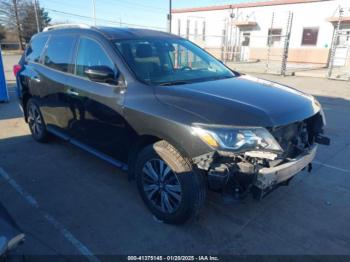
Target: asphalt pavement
68 202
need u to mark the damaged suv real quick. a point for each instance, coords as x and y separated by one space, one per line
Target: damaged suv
173 116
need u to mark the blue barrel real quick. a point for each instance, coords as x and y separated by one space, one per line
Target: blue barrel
4 95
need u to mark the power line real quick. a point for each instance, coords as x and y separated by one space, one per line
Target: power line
103 20
99 3
135 5
57 2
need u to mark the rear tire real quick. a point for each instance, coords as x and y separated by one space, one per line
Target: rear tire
168 184
36 121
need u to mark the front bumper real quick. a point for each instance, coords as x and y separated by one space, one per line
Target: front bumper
268 177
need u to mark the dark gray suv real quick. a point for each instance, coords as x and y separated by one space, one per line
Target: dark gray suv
173 116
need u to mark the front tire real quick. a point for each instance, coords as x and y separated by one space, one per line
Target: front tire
169 185
36 122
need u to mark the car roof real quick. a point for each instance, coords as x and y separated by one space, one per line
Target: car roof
133 33
115 33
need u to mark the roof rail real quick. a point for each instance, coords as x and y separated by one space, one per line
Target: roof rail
61 26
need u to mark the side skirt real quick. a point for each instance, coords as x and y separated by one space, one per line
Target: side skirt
89 149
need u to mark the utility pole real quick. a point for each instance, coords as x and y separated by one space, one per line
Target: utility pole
169 15
94 11
36 15
18 25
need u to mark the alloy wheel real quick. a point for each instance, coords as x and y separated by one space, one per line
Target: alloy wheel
161 186
34 120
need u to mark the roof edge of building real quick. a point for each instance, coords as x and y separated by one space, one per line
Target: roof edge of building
244 5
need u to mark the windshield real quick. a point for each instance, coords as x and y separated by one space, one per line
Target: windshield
170 61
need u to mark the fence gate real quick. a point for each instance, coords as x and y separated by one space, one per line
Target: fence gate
339 60
342 48
256 50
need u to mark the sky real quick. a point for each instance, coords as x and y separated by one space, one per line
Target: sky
127 13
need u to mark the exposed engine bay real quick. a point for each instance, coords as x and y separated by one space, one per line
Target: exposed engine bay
259 172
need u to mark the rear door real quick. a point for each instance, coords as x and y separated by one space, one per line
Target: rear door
31 63
57 64
98 119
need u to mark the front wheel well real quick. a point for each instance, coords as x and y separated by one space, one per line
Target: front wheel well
137 146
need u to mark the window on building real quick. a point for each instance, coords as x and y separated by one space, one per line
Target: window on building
343 39
245 39
179 27
59 52
310 36
274 36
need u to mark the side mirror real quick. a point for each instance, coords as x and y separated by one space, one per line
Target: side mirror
101 74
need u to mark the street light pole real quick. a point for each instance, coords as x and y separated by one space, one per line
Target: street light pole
169 16
94 11
36 15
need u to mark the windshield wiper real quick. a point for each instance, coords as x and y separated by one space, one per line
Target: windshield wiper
222 77
172 83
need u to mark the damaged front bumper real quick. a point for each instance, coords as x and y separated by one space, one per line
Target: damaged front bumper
268 177
236 177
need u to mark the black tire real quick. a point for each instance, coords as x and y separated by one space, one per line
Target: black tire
179 176
36 121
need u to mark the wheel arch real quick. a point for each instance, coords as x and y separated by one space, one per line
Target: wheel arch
25 98
142 142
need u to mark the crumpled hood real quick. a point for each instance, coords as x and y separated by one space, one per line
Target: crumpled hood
240 101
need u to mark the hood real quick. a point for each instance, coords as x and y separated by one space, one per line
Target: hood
240 101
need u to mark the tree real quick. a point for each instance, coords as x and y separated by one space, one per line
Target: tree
29 26
9 16
2 32
19 16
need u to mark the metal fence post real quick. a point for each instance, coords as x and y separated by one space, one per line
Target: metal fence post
224 44
286 44
269 37
334 43
4 95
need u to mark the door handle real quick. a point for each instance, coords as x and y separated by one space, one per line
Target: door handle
72 92
35 78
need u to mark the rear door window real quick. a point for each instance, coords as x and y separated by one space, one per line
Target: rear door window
35 49
59 52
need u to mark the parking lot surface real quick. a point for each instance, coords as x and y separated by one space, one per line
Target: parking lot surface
69 202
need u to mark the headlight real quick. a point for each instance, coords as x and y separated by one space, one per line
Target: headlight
237 139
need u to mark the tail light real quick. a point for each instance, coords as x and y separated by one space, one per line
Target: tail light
16 69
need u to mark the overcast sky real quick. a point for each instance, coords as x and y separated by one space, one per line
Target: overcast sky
148 13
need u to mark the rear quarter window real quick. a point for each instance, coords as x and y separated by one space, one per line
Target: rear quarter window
35 48
59 52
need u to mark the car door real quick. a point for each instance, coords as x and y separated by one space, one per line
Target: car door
57 63
98 106
31 73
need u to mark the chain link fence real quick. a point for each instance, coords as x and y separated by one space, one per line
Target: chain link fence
242 48
339 60
9 46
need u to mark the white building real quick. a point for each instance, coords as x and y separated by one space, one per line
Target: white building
258 31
